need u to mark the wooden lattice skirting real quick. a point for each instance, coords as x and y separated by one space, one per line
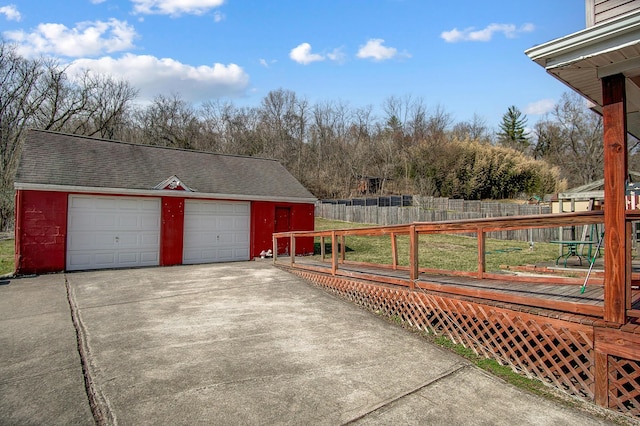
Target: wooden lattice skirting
555 351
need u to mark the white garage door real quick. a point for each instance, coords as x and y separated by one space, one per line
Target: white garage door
112 232
215 231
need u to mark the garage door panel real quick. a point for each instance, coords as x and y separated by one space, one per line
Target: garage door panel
82 223
106 260
104 204
128 222
243 208
150 258
190 256
81 240
100 221
225 239
225 254
128 258
216 231
78 261
112 232
225 223
226 209
149 222
150 240
103 240
241 223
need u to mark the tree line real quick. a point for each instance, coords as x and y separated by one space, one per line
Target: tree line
328 146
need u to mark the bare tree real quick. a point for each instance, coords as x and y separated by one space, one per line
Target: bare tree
229 129
283 127
20 98
571 138
329 140
474 130
169 121
110 103
62 100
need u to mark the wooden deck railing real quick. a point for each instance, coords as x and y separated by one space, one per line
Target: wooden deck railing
479 227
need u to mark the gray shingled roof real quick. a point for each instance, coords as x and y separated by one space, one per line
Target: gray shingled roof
50 158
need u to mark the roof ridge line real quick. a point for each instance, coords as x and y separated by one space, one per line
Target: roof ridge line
171 148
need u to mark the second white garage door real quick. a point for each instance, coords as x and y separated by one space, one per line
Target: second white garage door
216 231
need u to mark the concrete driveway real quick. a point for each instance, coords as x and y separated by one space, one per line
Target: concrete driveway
240 343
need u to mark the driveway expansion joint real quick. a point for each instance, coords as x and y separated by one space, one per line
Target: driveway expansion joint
97 402
448 373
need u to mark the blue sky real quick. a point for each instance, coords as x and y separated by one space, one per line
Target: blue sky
465 56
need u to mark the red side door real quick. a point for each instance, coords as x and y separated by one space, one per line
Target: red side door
283 224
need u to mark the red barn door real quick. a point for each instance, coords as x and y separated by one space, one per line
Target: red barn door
283 224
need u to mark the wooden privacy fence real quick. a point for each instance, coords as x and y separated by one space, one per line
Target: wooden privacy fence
444 209
558 335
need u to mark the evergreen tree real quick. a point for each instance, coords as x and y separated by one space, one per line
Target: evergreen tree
512 132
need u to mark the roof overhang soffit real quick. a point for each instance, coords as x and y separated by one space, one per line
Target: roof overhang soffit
580 60
590 42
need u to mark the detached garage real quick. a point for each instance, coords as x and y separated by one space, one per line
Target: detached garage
84 203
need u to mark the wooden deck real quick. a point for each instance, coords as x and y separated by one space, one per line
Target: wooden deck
530 296
558 293
587 344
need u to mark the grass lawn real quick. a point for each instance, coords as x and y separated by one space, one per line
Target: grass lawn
7 259
440 251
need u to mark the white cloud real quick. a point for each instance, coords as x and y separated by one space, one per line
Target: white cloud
485 34
540 107
175 7
153 75
86 39
10 12
302 54
267 64
376 51
219 17
337 55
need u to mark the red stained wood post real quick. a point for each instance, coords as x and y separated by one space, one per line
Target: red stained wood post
481 256
601 386
617 271
413 256
275 249
334 253
394 251
292 249
322 251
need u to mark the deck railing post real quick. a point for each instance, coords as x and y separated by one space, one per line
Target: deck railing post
322 250
394 251
275 249
292 249
413 256
481 255
601 379
334 253
616 240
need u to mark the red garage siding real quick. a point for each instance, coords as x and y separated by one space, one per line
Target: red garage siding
263 225
171 231
41 231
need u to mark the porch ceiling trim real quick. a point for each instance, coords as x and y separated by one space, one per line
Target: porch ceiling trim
587 43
